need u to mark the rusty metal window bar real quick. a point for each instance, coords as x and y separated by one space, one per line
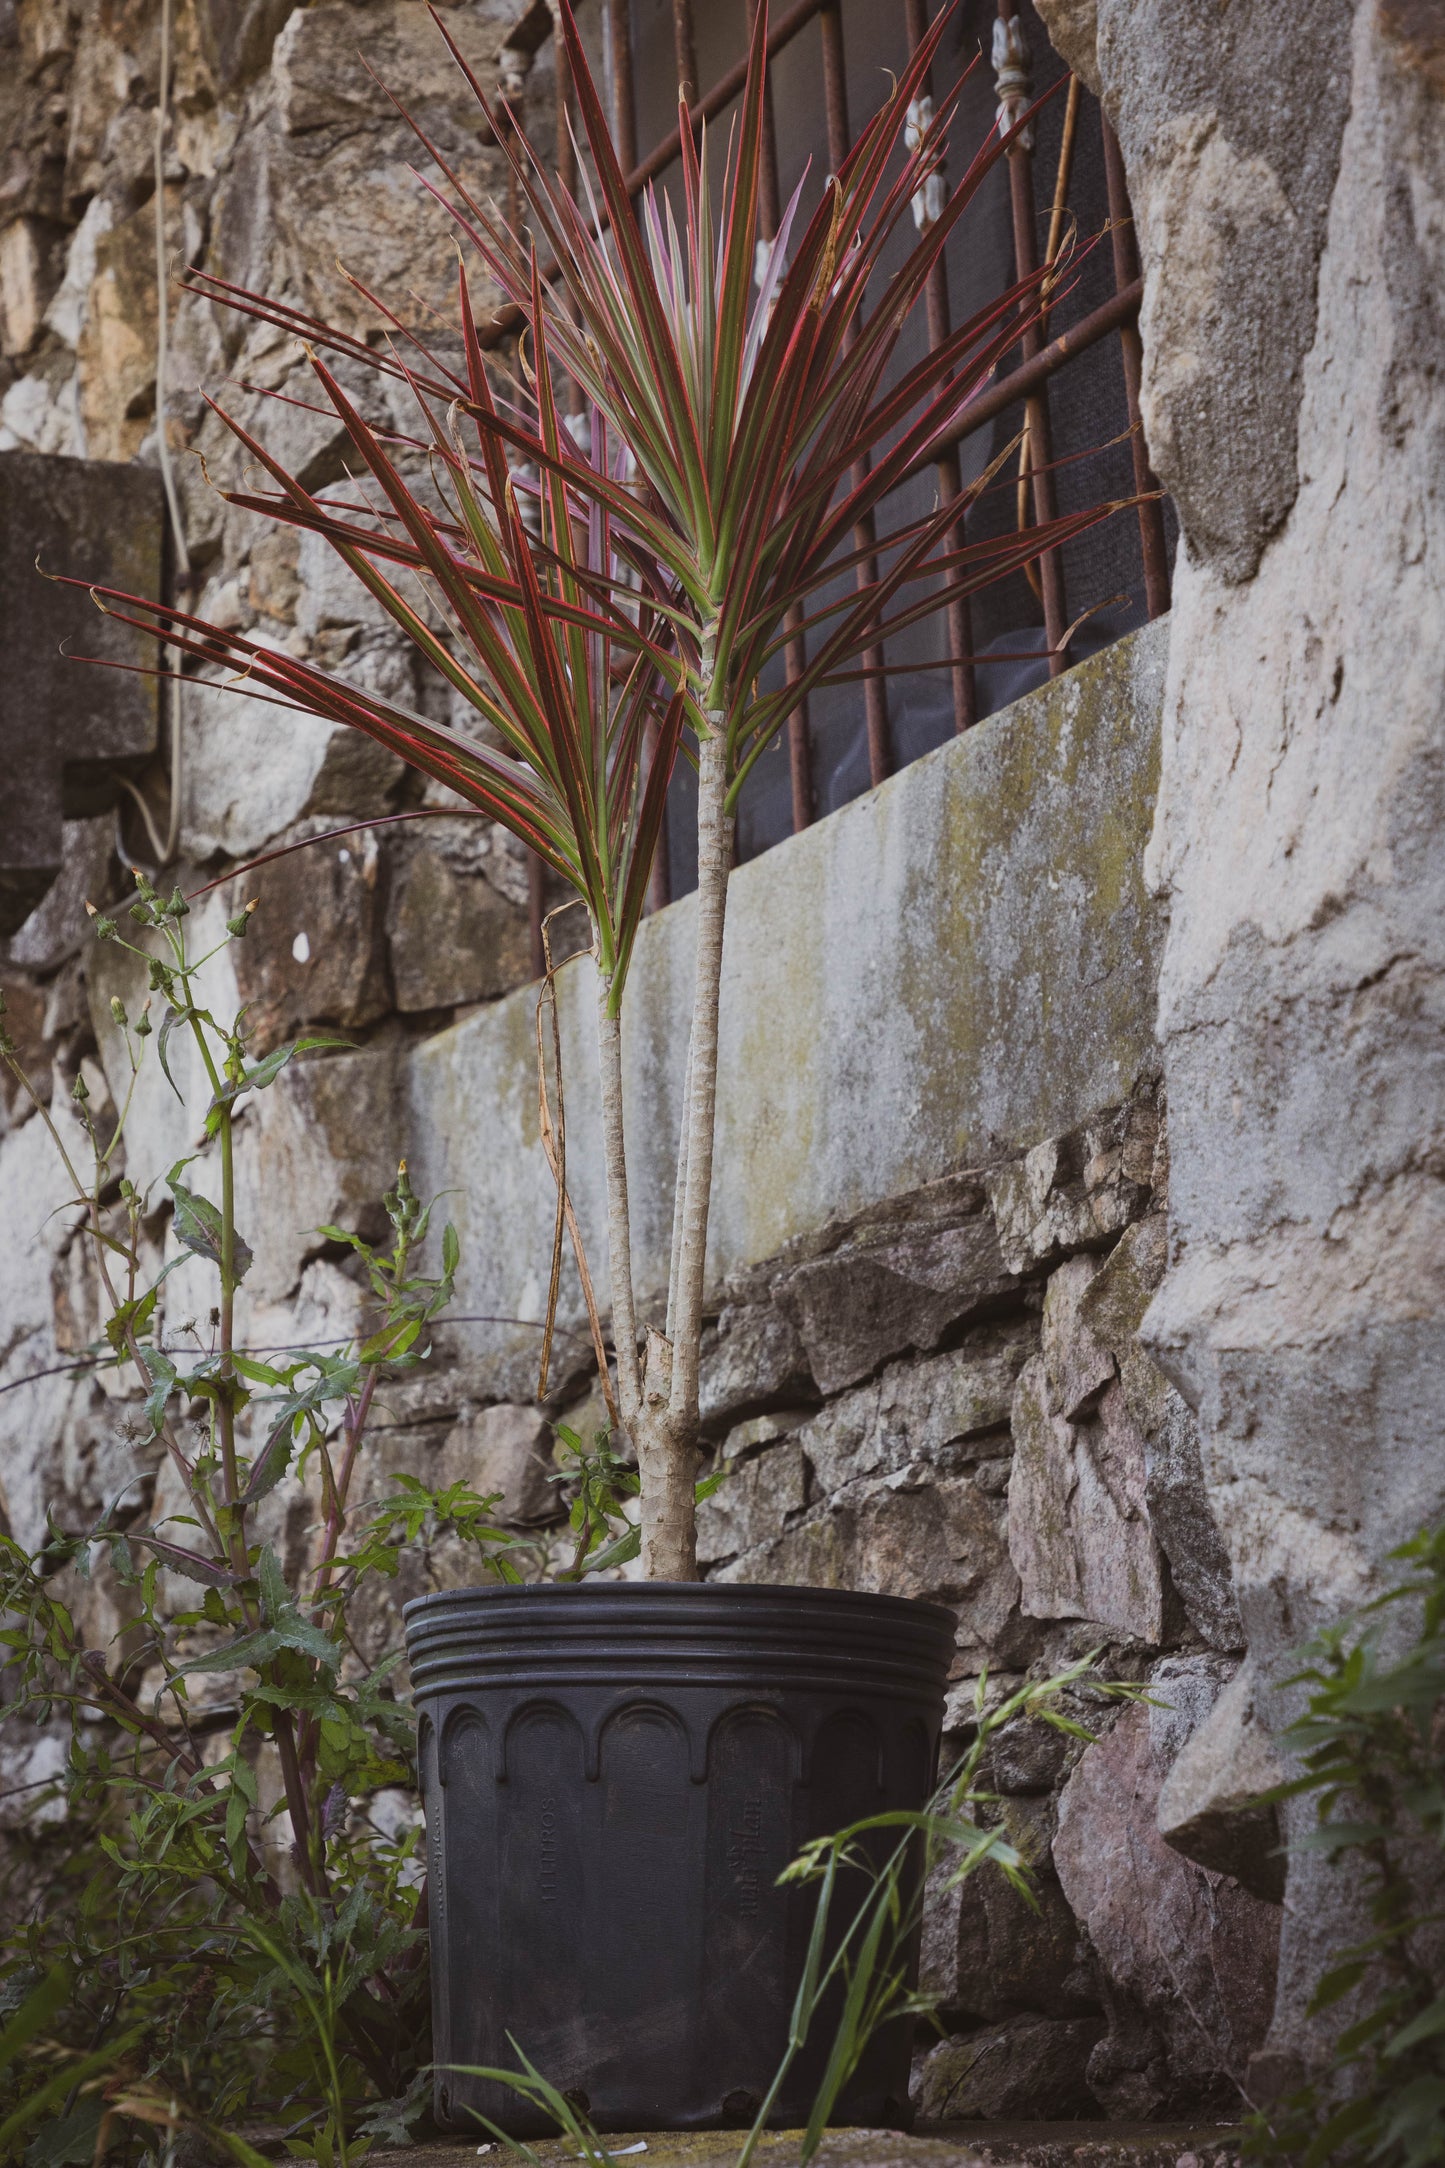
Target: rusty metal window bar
1030 388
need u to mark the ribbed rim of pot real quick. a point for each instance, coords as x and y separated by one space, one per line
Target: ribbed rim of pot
702 1633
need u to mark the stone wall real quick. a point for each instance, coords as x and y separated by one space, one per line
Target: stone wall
282 158
949 1206
1290 188
941 1214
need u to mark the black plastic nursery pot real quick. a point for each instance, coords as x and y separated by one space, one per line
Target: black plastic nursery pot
614 1776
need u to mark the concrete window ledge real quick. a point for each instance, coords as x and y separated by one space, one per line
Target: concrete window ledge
938 975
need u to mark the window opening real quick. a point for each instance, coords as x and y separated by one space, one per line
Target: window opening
1073 389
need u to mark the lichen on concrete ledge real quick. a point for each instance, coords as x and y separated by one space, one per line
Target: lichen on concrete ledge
949 969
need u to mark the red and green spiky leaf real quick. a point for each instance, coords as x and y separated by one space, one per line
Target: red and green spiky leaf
741 433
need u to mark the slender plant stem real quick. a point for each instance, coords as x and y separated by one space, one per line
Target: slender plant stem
356 1422
225 1407
619 1220
714 863
679 1197
225 1410
92 1664
311 1869
357 1417
666 1431
296 1803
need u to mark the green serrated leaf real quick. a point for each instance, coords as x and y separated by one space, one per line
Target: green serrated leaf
275 1595
163 1382
391 1342
207 1572
200 1229
259 1373
246 1652
273 1460
308 1640
265 1072
172 1017
620 1553
132 1318
68 2142
236 1812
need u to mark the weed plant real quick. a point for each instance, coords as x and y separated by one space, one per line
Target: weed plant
1371 1745
194 1956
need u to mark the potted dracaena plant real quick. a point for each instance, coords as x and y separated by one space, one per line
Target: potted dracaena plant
658 1739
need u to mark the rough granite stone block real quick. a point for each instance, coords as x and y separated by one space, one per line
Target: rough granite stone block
752 1360
505 1451
938 1409
1208 1805
754 1504
1073 1192
64 727
1079 1531
1192 1956
861 1303
904 1536
1024 2066
988 1953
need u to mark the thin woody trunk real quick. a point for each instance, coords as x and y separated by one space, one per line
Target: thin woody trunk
714 863
667 1427
619 1222
658 1398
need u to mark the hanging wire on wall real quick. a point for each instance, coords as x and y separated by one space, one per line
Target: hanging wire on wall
164 847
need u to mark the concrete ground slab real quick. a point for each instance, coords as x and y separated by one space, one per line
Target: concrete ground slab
939 2145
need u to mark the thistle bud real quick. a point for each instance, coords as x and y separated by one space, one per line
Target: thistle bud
401 1205
78 1089
143 1021
178 906
117 1010
236 927
104 929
